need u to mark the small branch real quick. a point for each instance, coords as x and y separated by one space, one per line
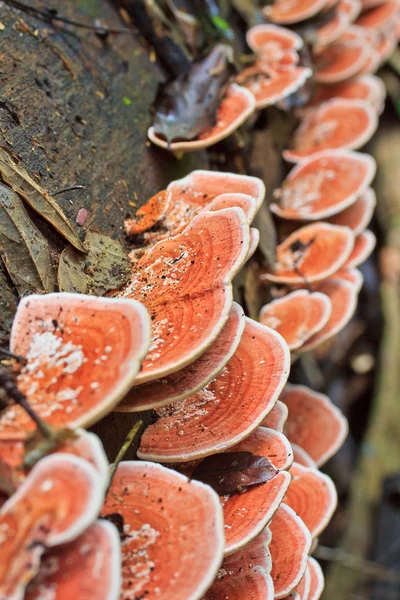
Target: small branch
366 567
69 189
17 357
123 450
49 17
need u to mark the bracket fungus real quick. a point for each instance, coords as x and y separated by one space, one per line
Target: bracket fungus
342 59
363 247
358 215
172 528
150 214
303 588
89 568
83 354
317 582
313 497
346 11
323 185
297 316
311 254
337 123
289 547
353 276
380 17
192 378
314 422
301 457
276 418
58 500
229 408
288 13
185 282
235 108
245 575
273 41
343 296
247 513
362 87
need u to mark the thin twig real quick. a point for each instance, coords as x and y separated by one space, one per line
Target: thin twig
17 357
70 189
367 567
50 17
123 450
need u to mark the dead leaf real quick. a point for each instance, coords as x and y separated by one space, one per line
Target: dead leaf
8 306
188 105
105 267
231 472
19 180
26 253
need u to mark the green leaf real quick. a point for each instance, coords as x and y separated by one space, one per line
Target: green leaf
220 23
105 267
19 180
26 253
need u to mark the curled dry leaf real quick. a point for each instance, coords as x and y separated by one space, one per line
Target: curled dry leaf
20 181
105 267
231 472
26 253
188 105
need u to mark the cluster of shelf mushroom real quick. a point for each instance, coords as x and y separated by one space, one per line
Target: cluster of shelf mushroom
174 342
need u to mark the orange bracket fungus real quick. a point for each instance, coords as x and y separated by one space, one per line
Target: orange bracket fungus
311 254
236 107
82 355
343 296
314 422
301 457
297 316
89 568
353 276
192 378
277 417
380 17
289 547
289 13
274 42
313 497
247 513
58 500
345 13
358 215
254 241
323 185
229 408
317 581
342 59
337 123
245 575
363 247
150 214
185 282
173 534
303 588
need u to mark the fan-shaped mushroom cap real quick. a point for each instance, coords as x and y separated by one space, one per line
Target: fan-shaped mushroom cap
288 13
58 500
314 422
248 204
185 282
363 87
254 241
311 253
150 214
303 588
387 45
342 59
380 17
324 184
353 276
346 12
297 316
363 247
230 407
246 514
301 457
192 378
343 296
272 39
200 187
270 88
313 497
337 123
358 215
174 531
83 354
317 579
276 418
290 545
245 574
235 108
87 568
